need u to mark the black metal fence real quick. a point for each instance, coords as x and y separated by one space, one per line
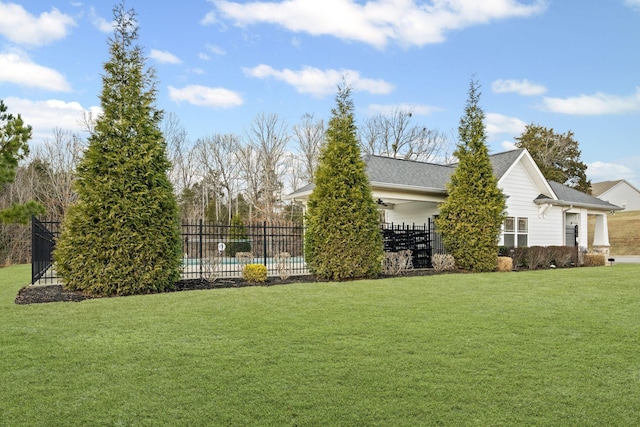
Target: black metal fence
43 240
422 240
217 251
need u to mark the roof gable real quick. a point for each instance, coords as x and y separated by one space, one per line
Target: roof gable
600 188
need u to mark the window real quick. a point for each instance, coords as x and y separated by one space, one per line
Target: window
516 232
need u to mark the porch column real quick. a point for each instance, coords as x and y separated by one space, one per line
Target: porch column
601 235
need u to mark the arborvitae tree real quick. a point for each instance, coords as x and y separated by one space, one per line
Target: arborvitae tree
471 217
343 238
122 236
557 156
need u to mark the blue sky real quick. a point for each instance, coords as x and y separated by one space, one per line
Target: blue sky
563 64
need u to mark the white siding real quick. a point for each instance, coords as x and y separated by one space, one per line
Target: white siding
621 195
521 192
410 213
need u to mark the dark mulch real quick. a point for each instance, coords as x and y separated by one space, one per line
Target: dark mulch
56 293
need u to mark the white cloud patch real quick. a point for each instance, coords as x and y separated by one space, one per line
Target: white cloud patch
320 83
521 87
164 57
594 105
635 4
211 49
23 28
499 124
209 19
375 22
601 171
44 116
206 96
415 109
508 145
100 23
17 68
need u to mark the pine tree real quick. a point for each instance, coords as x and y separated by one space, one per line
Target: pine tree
122 236
471 217
14 137
343 238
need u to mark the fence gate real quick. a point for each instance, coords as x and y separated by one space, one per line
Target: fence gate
43 241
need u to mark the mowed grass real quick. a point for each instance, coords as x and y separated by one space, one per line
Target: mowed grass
528 348
624 232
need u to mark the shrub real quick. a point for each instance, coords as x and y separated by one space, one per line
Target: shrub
397 263
537 257
562 256
594 260
255 273
210 268
283 261
443 262
505 263
244 258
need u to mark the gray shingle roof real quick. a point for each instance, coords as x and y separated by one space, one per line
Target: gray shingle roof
571 196
434 177
428 176
386 170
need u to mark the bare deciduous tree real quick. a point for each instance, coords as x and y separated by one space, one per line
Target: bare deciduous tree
395 136
267 138
218 160
310 136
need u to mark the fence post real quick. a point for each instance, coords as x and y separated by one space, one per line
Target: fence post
200 237
33 249
264 242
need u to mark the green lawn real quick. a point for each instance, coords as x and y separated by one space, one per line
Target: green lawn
555 347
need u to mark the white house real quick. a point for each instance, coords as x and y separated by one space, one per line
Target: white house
539 212
619 192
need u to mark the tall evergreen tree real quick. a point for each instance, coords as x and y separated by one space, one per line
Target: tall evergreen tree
14 137
557 156
122 236
471 217
343 238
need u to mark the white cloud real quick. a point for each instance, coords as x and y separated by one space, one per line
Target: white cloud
209 19
164 57
206 96
498 124
601 171
318 82
216 50
415 109
17 68
635 4
100 23
508 145
44 116
23 28
522 87
375 22
598 104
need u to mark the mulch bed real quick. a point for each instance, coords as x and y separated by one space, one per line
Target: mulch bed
56 293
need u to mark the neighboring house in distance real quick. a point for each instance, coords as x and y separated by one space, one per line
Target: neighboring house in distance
619 192
539 212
